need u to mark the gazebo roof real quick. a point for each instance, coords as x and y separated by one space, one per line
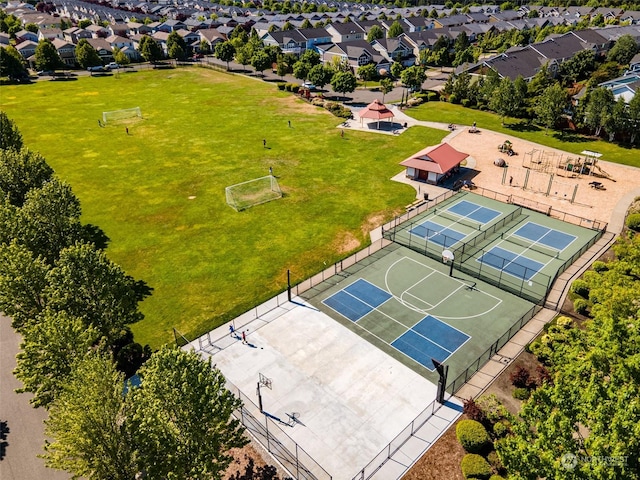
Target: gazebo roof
439 159
376 110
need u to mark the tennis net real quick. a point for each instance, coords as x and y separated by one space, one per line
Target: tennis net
529 245
467 222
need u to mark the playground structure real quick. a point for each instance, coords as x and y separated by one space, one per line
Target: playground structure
572 167
506 147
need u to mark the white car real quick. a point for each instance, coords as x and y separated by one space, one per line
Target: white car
113 65
309 85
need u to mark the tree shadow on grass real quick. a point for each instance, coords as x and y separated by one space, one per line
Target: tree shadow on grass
522 127
571 137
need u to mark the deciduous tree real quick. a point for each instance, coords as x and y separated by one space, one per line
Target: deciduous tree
260 61
395 30
320 75
344 82
368 73
10 136
21 171
47 57
506 99
89 424
623 51
598 110
225 52
550 105
375 33
150 49
86 284
51 347
11 63
182 417
86 55
413 77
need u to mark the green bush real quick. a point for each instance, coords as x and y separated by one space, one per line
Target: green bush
494 461
431 96
500 430
600 266
465 102
295 88
281 86
633 222
521 393
580 287
422 96
287 87
473 436
496 477
453 99
475 466
581 306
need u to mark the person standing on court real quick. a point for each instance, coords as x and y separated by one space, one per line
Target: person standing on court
244 338
231 330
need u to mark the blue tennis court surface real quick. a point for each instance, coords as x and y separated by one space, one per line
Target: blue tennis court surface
356 300
430 338
436 233
474 211
512 263
545 236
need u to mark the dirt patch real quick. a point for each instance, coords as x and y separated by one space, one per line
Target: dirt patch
502 387
251 453
372 222
442 460
346 242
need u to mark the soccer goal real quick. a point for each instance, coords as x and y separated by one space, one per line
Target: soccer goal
253 192
117 115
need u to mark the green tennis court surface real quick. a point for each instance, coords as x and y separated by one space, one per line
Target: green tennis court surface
410 304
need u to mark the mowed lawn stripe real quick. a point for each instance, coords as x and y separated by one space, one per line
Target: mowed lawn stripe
202 131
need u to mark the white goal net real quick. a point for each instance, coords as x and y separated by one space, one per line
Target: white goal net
117 115
253 192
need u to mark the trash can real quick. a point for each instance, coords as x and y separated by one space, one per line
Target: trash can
426 197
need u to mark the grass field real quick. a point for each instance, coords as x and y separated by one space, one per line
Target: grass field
450 113
202 131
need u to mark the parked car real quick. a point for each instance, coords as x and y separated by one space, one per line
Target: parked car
97 68
309 85
113 66
45 73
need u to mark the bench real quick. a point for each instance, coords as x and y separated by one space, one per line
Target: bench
415 204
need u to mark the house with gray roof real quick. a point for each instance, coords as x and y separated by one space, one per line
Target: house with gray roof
395 49
356 53
345 32
289 41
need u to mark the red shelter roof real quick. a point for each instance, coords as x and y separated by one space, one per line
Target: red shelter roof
438 159
376 110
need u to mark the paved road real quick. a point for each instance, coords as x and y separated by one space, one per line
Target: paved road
23 424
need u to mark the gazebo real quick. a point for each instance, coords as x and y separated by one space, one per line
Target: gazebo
377 111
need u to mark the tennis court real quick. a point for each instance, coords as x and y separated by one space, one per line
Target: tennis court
517 249
409 306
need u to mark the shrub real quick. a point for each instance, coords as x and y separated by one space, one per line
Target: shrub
493 409
600 266
475 466
287 87
521 393
421 96
318 102
431 96
473 411
473 436
496 477
500 430
543 375
521 377
563 322
580 287
581 306
295 88
453 99
494 461
465 102
633 222
414 102
281 86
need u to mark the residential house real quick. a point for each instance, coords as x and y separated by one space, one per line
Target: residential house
630 17
27 49
314 37
448 22
161 37
634 65
75 34
420 41
97 31
289 41
116 41
50 34
103 48
26 35
211 36
593 40
171 26
504 16
356 53
624 87
345 32
191 39
66 50
395 50
5 39
138 28
118 29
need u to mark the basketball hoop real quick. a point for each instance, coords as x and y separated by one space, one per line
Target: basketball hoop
448 257
263 381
